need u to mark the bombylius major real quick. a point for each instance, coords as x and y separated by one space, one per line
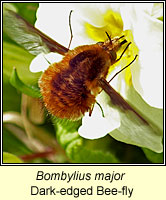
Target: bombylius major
69 87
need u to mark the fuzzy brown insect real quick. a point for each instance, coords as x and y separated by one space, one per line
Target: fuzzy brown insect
69 88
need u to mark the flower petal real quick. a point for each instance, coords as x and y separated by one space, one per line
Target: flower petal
150 44
82 13
42 61
97 126
52 19
147 31
148 37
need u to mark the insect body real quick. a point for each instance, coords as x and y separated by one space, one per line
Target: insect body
69 87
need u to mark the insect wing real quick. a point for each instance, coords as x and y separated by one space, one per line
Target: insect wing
135 127
117 99
26 35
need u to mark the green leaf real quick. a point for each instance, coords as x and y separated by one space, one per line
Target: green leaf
26 89
8 102
27 36
103 150
14 56
153 157
9 6
24 33
27 11
80 150
160 18
10 158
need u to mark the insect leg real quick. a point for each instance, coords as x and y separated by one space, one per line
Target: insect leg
123 51
100 108
91 110
121 37
122 69
47 60
71 37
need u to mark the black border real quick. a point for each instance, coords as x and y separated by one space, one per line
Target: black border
83 164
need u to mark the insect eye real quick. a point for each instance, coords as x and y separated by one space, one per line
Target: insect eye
113 55
100 43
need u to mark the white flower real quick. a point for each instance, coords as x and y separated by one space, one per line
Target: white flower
148 36
42 61
142 20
